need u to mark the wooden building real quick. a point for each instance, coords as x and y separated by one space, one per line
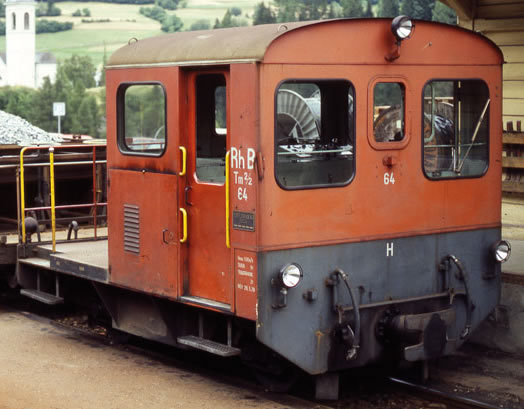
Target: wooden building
503 22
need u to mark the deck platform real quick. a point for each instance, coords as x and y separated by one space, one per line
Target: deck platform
86 259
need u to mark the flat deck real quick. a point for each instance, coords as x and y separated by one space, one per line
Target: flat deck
86 259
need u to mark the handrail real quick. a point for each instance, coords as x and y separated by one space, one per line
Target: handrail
228 239
184 160
52 183
184 225
53 207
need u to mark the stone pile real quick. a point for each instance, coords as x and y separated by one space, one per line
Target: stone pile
17 131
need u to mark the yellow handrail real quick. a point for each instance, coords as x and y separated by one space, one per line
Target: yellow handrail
184 225
228 239
184 160
52 187
22 192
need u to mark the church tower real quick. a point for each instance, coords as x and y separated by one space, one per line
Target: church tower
20 42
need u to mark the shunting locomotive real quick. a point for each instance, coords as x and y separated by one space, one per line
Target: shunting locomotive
315 195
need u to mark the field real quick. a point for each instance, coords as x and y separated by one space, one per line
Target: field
125 23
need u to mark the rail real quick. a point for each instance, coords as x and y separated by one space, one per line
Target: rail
512 159
53 207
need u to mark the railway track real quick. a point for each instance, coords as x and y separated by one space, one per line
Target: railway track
451 401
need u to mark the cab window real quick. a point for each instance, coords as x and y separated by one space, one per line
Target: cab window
388 112
314 133
142 119
456 128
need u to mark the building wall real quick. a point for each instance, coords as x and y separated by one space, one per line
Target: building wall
20 42
45 70
502 21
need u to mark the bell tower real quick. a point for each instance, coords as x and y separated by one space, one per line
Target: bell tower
20 42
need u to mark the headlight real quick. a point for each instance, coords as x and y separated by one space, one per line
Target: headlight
402 27
290 275
501 251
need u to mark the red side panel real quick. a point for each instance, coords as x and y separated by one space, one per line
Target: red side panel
143 231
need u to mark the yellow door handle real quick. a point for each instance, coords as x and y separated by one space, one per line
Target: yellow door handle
184 160
184 225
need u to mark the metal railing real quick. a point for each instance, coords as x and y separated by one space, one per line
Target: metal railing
53 207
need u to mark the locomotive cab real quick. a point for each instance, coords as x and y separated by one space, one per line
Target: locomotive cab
327 192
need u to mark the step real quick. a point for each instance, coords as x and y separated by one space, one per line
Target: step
208 345
46 298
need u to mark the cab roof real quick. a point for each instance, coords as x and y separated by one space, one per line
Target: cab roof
448 44
237 44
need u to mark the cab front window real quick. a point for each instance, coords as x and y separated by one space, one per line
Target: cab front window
456 128
314 133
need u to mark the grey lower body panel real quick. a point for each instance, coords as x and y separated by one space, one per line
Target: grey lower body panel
410 281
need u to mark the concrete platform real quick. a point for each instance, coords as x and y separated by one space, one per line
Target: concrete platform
505 328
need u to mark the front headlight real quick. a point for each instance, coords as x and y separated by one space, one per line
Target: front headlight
290 275
501 250
402 27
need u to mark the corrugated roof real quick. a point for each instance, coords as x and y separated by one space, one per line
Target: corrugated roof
228 44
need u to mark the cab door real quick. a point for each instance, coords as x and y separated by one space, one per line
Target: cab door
143 208
206 271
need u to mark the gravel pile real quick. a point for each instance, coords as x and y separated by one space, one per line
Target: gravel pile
17 131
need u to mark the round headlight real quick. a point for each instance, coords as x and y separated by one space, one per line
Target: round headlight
290 275
402 27
501 251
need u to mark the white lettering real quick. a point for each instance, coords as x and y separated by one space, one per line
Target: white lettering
389 249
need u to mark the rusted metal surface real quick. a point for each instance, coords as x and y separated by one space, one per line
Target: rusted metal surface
209 47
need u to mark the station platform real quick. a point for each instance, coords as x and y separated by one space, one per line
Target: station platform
504 330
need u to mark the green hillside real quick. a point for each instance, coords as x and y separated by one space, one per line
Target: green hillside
125 23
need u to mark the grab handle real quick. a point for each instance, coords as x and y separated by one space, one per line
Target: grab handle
184 160
184 225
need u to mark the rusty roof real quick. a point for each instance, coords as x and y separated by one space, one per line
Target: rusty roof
210 46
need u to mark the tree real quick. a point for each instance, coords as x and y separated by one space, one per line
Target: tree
201 24
172 24
2 9
263 14
444 14
388 8
42 109
77 70
369 11
87 119
352 8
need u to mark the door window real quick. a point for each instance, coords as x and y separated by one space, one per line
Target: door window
211 128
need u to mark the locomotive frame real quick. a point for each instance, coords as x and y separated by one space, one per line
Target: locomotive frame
321 195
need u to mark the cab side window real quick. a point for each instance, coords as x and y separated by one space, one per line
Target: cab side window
142 119
456 128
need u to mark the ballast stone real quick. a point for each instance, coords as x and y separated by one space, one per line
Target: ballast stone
17 131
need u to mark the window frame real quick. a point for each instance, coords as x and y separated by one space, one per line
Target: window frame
199 179
395 145
275 121
488 117
120 123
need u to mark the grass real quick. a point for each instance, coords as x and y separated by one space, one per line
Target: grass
126 22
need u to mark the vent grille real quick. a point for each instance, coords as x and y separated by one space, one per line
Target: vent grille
132 228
